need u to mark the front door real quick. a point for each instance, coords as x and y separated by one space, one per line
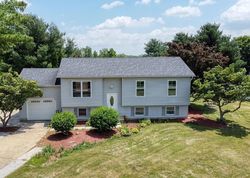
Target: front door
112 100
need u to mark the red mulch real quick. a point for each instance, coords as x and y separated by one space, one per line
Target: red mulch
196 117
131 124
76 137
9 129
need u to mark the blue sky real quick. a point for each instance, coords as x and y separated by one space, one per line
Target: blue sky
126 25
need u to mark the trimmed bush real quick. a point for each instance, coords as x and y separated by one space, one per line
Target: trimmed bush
104 118
125 131
63 122
145 122
135 130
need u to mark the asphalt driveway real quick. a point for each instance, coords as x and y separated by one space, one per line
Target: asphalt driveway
14 145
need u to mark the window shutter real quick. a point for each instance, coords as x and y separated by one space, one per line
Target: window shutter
146 111
132 111
177 110
163 111
75 112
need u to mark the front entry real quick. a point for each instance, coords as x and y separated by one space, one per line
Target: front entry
112 100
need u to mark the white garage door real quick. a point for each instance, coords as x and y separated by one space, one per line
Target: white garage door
41 108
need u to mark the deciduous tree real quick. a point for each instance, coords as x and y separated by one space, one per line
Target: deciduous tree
14 91
223 86
197 56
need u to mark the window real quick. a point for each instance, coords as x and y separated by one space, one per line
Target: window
35 101
82 112
170 110
140 88
81 88
76 89
172 85
86 89
47 101
139 111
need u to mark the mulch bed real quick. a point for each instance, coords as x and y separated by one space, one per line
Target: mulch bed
76 137
9 129
196 117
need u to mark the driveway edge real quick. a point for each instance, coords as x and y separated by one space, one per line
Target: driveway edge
14 165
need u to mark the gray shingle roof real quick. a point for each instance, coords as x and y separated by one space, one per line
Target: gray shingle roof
43 76
124 67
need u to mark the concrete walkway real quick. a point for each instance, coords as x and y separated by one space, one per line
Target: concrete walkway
14 145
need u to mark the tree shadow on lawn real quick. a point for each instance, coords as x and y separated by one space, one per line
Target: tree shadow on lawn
200 123
232 129
202 109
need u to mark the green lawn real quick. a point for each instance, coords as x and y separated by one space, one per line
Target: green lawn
160 150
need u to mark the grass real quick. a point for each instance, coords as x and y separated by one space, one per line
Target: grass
159 150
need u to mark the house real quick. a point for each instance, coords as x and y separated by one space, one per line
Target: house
136 87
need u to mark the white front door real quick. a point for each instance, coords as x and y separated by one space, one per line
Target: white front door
112 100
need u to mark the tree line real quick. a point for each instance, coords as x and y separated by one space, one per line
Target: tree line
28 41
206 49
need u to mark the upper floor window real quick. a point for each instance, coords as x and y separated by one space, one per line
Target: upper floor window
76 89
81 88
86 89
172 85
140 87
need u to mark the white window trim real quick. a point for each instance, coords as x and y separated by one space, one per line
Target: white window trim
144 88
81 88
175 89
170 114
79 114
139 114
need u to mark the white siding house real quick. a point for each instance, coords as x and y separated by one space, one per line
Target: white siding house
140 87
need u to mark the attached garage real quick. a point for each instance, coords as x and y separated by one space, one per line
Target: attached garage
41 108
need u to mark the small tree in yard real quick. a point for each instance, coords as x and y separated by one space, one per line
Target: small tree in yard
104 118
223 86
14 91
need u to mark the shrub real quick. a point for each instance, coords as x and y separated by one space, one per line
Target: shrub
146 121
87 124
135 130
142 124
125 131
104 118
48 151
63 122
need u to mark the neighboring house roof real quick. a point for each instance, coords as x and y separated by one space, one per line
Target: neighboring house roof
43 76
123 67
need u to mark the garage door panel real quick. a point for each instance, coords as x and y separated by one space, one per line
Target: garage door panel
41 109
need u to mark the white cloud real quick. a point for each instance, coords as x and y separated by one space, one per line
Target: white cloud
125 42
126 21
112 5
240 11
183 11
145 2
201 2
